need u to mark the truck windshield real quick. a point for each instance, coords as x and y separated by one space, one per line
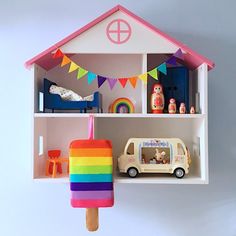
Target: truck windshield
180 149
130 149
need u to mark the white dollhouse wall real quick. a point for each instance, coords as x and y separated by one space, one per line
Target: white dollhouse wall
142 40
40 147
39 74
57 133
189 130
108 65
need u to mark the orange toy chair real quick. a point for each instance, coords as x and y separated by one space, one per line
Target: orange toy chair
54 163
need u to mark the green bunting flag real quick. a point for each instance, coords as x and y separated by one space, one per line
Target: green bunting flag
153 73
81 72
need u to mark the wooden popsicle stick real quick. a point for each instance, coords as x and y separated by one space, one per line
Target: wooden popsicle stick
92 219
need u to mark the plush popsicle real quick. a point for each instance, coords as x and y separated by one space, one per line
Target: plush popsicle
91 180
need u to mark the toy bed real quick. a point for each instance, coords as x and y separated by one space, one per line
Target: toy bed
55 102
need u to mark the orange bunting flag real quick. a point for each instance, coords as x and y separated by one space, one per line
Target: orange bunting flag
143 77
58 54
66 60
133 81
73 67
123 81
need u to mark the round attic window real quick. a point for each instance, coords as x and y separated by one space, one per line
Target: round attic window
118 31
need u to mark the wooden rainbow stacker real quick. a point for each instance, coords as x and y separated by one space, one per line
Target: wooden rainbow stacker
91 181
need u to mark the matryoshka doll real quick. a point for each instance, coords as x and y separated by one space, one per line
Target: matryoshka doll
157 99
172 106
182 108
192 110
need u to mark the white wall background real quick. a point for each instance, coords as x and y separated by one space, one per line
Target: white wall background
26 208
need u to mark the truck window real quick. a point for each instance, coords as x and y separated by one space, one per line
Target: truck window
155 155
180 149
130 149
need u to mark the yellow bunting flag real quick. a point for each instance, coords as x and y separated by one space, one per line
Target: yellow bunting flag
153 73
143 77
81 72
66 60
73 67
133 81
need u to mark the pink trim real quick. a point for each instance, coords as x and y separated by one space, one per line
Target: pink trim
195 61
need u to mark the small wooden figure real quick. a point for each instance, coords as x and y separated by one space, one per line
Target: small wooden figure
182 108
192 110
172 106
157 99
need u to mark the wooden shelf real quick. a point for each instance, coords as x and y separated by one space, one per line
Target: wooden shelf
111 115
144 179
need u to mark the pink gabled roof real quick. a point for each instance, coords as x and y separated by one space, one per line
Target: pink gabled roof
191 58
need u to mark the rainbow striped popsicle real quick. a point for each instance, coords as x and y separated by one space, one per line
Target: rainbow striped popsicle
91 181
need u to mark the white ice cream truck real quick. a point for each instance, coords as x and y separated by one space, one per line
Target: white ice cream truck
155 155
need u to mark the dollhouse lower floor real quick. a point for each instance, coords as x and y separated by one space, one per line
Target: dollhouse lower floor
58 130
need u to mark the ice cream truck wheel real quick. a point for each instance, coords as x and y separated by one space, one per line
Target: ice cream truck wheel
179 173
132 172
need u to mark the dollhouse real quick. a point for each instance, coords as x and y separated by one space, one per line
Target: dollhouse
112 64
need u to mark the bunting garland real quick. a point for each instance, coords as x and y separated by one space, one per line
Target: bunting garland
111 82
123 81
143 77
179 54
91 77
73 67
58 54
66 60
153 73
133 81
171 61
101 80
81 72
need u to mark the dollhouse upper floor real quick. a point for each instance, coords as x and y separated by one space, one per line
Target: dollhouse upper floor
116 47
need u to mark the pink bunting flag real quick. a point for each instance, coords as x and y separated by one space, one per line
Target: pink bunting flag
101 80
111 82
179 54
123 81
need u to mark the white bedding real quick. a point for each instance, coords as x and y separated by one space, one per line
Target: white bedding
68 95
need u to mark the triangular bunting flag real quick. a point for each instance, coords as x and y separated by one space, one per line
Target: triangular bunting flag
91 77
58 54
162 68
101 80
171 61
66 60
81 72
73 67
123 81
133 81
179 54
143 77
153 73
111 82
